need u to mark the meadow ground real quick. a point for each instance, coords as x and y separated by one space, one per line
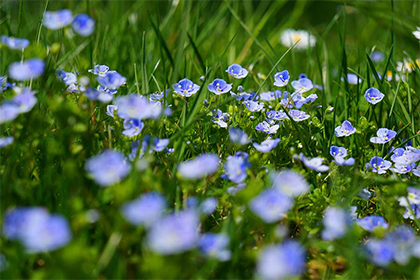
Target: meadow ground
210 139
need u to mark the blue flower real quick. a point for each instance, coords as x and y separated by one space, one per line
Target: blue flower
220 118
83 25
277 115
282 261
8 111
107 168
408 156
243 96
379 165
238 136
208 206
66 77
36 229
100 95
314 163
402 239
270 96
58 19
380 252
271 205
384 135
281 79
353 79
302 85
237 71
402 168
266 145
14 43
267 128
99 70
112 80
135 106
6 141
373 96
253 106
132 127
185 88
289 182
144 210
339 153
377 56
236 167
174 233
416 171
298 116
199 167
215 246
240 88
336 223
160 144
346 129
219 86
29 69
369 223
234 189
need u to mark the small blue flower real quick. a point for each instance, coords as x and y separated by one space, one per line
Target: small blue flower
8 111
236 167
266 145
339 153
101 96
369 223
314 163
107 168
289 182
160 144
336 223
380 252
281 79
29 69
112 80
99 70
6 141
353 79
219 86
220 118
346 129
174 233
144 210
302 76
299 116
270 96
302 85
208 206
237 71
134 106
282 261
215 246
238 136
377 56
402 239
267 128
185 88
83 25
277 115
402 168
373 95
379 165
132 127
240 88
199 167
25 101
14 43
271 205
58 19
416 171
384 135
66 77
253 106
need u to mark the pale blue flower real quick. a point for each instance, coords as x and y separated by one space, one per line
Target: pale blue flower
199 167
299 116
373 95
208 206
134 106
29 69
379 165
99 70
281 79
14 43
302 85
144 210
266 145
377 56
238 136
6 141
384 135
237 71
353 79
132 127
220 118
339 154
402 168
346 129
215 246
314 163
271 205
66 77
336 223
270 95
58 19
267 128
112 80
289 182
8 111
380 252
83 25
185 88
159 145
370 223
277 115
219 86
99 95
253 106
236 167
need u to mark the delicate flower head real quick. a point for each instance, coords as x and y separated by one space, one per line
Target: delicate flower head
303 38
199 167
314 163
369 223
8 111
266 145
353 79
219 86
132 127
380 252
271 205
14 43
237 71
66 77
281 79
379 165
253 106
215 246
346 129
336 223
277 115
220 118
25 101
302 85
238 136
144 210
107 168
339 154
236 167
100 95
270 96
134 106
267 128
83 25
58 19
377 56
289 182
99 70
29 69
299 116
373 95
111 79
384 135
402 168
6 141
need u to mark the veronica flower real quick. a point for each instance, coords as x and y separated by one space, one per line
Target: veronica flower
185 88
215 246
289 182
384 135
408 156
402 168
237 71
236 167
8 111
266 145
299 100
6 141
370 223
298 116
58 19
83 25
66 77
402 239
100 95
134 106
373 95
174 233
314 163
29 69
282 261
107 168
270 96
219 86
380 252
25 101
234 189
271 205
14 43
379 165
281 79
132 127
208 206
99 70
277 115
339 153
353 79
267 128
144 210
253 106
416 171
336 223
303 38
302 85
199 167
377 56
112 80
220 118
413 197
346 129
238 136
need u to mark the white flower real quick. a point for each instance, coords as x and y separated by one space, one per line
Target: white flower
407 65
305 39
416 33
